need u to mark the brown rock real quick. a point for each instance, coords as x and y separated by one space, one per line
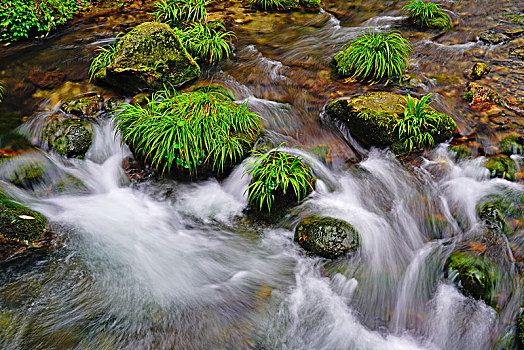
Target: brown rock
46 80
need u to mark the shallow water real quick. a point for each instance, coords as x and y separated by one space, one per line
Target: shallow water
167 265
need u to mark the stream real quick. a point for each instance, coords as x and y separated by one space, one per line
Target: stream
161 264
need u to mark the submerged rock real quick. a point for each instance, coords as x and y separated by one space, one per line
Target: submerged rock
85 105
20 228
501 166
462 151
479 70
512 145
493 37
370 118
480 96
25 174
492 218
150 56
474 274
517 52
45 79
70 137
327 237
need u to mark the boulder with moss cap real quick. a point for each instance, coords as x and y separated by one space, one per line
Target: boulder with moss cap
149 57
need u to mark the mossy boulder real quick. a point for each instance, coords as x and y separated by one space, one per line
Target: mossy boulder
283 5
23 174
492 218
70 137
149 57
493 37
371 118
480 96
474 274
112 103
501 166
86 105
312 4
326 236
462 151
512 145
479 70
20 228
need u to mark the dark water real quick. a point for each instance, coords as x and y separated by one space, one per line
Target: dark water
166 265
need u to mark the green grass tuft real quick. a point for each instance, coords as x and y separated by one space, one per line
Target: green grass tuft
426 14
104 58
176 13
277 172
188 130
416 125
274 4
374 56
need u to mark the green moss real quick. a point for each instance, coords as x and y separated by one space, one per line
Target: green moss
439 21
25 174
371 118
19 223
311 3
474 274
150 56
479 69
217 90
462 151
512 145
83 106
275 4
70 138
491 216
501 166
327 237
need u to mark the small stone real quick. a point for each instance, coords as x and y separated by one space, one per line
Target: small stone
479 70
493 37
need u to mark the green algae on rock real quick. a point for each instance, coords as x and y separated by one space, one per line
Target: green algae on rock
491 216
24 174
501 166
372 116
493 37
462 151
149 57
20 228
479 70
311 3
70 137
275 4
480 96
86 105
512 145
326 236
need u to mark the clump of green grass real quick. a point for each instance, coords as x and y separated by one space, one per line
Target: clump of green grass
188 130
274 4
176 13
2 90
374 56
276 174
104 58
426 14
417 124
207 41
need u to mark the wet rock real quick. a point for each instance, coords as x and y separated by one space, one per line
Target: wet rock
512 145
493 37
479 70
517 52
70 137
480 96
112 103
25 174
501 166
370 118
86 105
462 151
444 79
491 216
140 99
474 274
150 56
20 228
311 4
46 80
327 237
410 81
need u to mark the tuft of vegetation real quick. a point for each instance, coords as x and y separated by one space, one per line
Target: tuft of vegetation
274 4
208 41
374 56
188 130
2 90
277 173
426 14
22 18
176 13
417 124
104 58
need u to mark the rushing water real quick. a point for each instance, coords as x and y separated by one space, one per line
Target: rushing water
167 265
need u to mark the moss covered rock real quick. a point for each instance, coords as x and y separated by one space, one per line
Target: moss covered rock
311 3
20 228
512 145
440 20
517 52
501 166
70 137
493 37
149 57
327 237
474 274
491 216
87 105
280 5
462 151
370 118
25 174
479 70
480 96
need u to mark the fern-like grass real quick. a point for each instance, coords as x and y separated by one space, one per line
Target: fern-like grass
426 14
104 58
188 130
274 4
277 172
176 13
374 56
208 41
416 125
